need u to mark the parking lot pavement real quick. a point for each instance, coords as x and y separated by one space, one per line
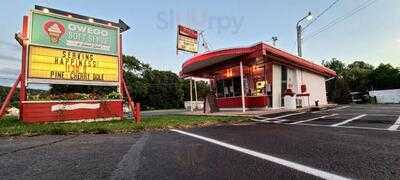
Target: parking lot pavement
345 153
373 117
63 157
306 146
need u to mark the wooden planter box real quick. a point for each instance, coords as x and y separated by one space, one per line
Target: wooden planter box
81 110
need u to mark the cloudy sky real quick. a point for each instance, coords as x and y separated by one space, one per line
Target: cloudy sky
351 30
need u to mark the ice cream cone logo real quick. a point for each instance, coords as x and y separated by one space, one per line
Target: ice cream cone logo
55 30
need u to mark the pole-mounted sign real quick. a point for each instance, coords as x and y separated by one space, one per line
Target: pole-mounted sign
60 47
187 39
66 50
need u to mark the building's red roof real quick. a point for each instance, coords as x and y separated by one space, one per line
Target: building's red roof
208 59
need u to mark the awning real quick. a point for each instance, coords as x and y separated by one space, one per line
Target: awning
209 59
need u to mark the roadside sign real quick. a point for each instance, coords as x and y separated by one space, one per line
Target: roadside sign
70 67
56 31
67 50
187 39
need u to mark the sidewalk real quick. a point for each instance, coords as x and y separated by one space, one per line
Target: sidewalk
250 112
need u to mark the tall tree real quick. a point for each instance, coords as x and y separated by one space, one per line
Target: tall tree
385 76
338 66
357 76
337 89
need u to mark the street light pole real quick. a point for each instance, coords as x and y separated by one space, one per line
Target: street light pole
299 53
299 30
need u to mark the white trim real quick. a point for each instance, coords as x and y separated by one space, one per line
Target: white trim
242 87
89 120
75 106
71 101
191 95
299 167
73 82
73 19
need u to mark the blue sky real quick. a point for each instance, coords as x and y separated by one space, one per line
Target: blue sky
372 35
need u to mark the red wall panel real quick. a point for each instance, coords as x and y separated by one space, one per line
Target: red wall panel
236 102
35 112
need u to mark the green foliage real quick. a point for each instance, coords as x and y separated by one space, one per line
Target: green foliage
359 77
335 65
385 76
156 89
15 98
114 95
62 89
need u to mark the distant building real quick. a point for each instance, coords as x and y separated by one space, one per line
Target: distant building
386 96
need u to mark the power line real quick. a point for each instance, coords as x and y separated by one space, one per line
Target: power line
322 13
340 19
204 42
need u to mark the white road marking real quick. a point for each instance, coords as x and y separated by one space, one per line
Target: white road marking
287 115
312 119
395 126
338 108
349 120
346 127
309 170
260 120
266 119
281 121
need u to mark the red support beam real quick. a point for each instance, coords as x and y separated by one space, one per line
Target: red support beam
121 65
22 90
138 117
121 71
131 103
9 96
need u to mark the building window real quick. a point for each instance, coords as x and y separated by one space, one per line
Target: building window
237 86
228 88
220 88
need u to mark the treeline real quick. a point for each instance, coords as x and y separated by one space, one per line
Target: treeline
15 98
359 77
154 89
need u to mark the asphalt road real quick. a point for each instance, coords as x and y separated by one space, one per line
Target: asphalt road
275 147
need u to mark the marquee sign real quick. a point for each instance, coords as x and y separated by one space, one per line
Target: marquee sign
66 50
68 33
187 39
70 67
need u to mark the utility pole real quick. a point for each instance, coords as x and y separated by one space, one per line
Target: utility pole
299 30
299 52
